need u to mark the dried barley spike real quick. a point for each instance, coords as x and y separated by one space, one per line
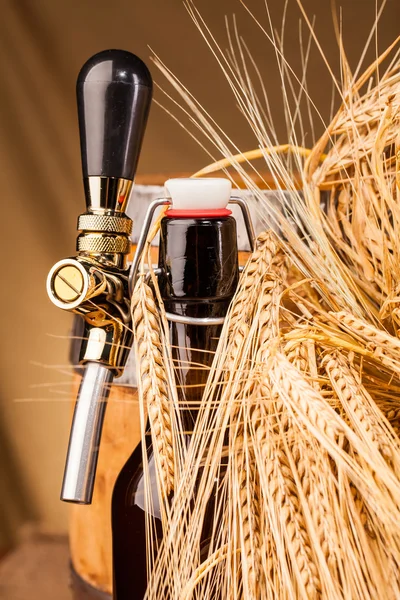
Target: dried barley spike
301 397
288 510
152 384
249 515
379 341
346 383
266 254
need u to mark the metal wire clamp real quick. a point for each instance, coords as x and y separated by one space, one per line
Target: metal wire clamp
145 231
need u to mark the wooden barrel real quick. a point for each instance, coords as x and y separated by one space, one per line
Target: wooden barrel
90 526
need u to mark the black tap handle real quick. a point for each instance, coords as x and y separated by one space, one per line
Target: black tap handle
114 91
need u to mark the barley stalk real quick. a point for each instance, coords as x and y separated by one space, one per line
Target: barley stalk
357 403
287 507
297 353
378 340
153 385
273 569
249 514
269 263
362 510
350 391
291 384
266 257
286 510
313 465
314 471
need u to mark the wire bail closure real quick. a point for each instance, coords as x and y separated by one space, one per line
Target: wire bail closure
133 272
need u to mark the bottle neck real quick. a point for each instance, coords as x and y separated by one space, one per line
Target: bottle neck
198 259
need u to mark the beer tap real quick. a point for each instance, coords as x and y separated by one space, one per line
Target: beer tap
114 90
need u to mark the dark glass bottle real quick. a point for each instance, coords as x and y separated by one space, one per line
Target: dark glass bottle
199 274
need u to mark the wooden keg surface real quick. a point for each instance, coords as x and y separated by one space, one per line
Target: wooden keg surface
90 526
82 590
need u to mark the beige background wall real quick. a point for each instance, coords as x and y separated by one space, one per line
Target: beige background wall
43 43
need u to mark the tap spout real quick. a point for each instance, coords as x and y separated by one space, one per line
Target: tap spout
84 441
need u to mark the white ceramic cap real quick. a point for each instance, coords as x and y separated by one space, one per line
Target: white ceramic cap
198 193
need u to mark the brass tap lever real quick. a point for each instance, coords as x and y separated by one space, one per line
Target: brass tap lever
114 91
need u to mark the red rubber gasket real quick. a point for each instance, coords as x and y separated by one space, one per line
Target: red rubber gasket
198 214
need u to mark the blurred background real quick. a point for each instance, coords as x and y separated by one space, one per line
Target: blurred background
42 47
